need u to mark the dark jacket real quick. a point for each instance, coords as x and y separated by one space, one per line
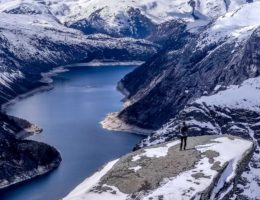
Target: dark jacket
183 130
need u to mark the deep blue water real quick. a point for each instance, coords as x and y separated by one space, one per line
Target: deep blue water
70 116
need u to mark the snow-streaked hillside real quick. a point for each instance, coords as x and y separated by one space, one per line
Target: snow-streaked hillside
244 97
33 43
24 33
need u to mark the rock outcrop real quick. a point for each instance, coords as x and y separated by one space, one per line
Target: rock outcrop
204 171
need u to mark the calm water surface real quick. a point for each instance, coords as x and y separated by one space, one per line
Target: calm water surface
70 116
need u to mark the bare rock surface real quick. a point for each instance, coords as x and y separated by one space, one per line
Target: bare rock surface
164 172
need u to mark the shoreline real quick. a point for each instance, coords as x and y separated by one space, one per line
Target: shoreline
27 132
47 78
113 123
25 95
40 171
107 123
97 63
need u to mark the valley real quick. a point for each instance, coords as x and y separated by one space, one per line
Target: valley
200 63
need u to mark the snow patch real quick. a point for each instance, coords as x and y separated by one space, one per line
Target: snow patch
136 168
156 152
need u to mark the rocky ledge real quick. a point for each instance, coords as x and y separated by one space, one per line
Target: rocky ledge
208 169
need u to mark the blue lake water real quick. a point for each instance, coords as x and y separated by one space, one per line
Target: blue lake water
70 116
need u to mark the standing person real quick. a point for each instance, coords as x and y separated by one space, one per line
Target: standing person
184 135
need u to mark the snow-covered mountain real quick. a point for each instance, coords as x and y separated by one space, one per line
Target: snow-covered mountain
193 64
136 18
124 17
31 44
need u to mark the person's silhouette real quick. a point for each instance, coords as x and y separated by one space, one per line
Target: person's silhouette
184 135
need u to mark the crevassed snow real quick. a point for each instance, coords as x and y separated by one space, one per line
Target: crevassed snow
244 96
185 186
156 152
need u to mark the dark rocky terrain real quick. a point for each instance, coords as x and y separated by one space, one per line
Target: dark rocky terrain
21 160
181 74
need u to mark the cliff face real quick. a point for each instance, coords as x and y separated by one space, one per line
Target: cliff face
204 171
21 160
185 72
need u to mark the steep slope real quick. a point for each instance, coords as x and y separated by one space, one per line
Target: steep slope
225 53
164 172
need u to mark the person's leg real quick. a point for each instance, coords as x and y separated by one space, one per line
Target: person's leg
181 143
185 142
